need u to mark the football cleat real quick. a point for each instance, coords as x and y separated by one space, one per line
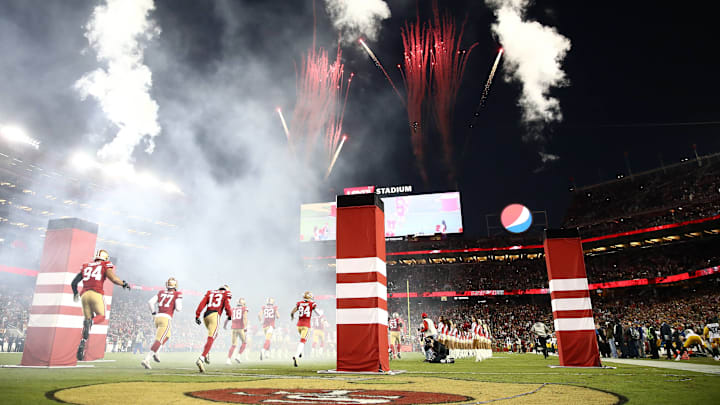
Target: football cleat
199 363
238 360
171 283
145 364
228 362
207 359
156 358
103 255
294 361
308 295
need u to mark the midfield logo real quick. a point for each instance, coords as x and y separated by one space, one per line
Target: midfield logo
318 396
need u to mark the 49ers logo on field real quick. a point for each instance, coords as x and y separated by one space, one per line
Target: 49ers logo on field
316 396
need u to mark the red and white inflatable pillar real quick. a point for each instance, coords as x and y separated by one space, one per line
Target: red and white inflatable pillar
56 321
361 289
570 299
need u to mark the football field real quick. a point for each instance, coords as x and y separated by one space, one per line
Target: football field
506 378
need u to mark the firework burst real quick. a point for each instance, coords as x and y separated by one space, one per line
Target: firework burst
416 73
448 67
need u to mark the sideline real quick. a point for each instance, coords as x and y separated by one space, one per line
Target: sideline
674 365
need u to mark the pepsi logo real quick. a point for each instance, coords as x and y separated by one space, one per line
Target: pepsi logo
516 218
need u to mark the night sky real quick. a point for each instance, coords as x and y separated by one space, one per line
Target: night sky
642 80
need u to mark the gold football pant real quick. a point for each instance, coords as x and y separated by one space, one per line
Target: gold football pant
212 323
92 304
238 334
303 331
162 326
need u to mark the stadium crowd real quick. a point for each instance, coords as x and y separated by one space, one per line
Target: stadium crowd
686 191
511 318
507 274
14 314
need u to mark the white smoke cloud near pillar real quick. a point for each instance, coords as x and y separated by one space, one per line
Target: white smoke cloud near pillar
533 57
118 31
356 18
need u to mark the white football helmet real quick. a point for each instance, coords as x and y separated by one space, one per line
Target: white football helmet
308 295
241 302
270 300
171 283
395 315
103 255
224 287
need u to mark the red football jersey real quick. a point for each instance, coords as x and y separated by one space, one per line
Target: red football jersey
216 300
269 313
166 301
94 274
304 310
239 320
318 323
395 325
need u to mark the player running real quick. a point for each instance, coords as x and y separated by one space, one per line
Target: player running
216 302
396 326
305 309
93 277
711 332
268 314
239 330
163 306
319 323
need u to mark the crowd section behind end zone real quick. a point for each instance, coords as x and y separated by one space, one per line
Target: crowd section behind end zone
686 305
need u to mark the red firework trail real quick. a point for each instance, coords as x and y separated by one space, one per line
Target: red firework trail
448 65
416 73
382 69
318 110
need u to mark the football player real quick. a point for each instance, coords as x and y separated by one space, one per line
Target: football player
163 306
216 302
319 323
239 330
268 314
93 277
395 325
305 309
711 332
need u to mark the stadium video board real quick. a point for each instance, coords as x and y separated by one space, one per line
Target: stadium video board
422 214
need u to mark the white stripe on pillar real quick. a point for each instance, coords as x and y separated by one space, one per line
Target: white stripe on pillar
361 265
361 290
55 278
362 316
570 304
55 321
568 284
570 324
64 299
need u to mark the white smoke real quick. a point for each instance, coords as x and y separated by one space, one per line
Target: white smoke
548 157
533 56
355 18
117 32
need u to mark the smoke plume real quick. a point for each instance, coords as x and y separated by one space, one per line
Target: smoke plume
533 57
117 31
355 18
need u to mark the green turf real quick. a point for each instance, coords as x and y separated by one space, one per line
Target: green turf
637 384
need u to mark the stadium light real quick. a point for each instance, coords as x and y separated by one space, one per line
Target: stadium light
13 133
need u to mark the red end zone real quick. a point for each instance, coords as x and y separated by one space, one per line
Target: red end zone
319 396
